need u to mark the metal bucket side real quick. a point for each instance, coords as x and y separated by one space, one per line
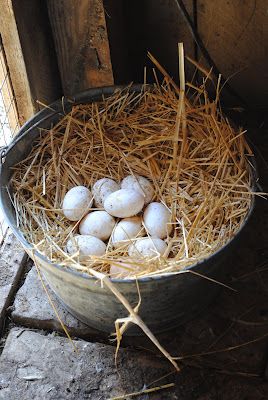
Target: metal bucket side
167 300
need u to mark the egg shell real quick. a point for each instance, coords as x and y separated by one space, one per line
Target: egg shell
125 271
125 230
124 203
102 189
86 245
97 223
76 203
147 247
140 184
156 219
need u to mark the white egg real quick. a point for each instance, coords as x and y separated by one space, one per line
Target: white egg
125 230
147 247
140 184
86 245
124 203
102 188
77 202
97 223
157 220
123 270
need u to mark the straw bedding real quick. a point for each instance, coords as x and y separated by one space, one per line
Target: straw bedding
197 162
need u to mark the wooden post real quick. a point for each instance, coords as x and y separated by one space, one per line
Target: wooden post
80 36
28 45
15 60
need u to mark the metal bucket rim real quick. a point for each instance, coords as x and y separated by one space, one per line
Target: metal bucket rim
78 99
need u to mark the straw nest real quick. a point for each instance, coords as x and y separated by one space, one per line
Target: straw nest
196 160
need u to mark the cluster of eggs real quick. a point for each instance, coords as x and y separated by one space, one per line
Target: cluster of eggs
118 220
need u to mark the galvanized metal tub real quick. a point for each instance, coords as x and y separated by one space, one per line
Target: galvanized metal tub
167 300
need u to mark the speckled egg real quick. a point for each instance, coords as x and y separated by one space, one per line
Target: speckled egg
147 247
77 202
86 245
102 189
140 184
157 219
97 223
124 203
127 229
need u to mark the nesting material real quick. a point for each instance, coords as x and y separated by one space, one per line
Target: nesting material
196 161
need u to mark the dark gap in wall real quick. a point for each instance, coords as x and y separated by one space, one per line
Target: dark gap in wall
138 26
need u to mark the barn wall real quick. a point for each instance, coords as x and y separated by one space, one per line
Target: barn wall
138 26
236 35
58 47
234 32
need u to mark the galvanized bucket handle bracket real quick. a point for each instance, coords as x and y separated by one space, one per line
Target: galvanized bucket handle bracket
3 151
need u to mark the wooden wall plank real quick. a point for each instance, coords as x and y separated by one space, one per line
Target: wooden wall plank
236 35
24 28
38 50
81 42
16 62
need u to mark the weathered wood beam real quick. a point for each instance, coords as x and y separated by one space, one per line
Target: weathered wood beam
11 41
38 50
28 44
81 43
